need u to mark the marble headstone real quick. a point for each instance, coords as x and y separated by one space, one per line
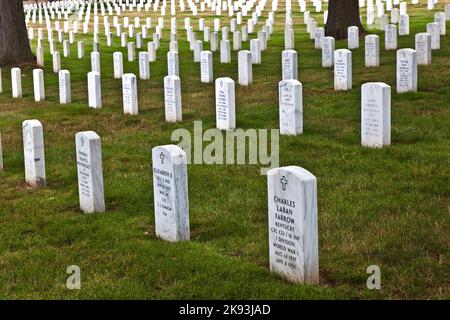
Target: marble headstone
225 104
291 107
33 150
172 98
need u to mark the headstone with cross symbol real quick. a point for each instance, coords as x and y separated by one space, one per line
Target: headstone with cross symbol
90 172
170 192
293 240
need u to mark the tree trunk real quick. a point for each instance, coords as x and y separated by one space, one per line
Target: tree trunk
341 15
14 45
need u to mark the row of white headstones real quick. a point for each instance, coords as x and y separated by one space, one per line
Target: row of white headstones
292 191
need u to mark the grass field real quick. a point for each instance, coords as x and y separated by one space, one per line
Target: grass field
386 207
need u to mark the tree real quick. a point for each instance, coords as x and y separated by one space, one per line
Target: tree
341 15
14 45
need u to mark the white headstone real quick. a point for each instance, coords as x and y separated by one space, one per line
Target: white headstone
33 150
129 92
406 70
151 49
403 25
172 98
291 107
423 48
372 50
144 66
206 67
118 65
56 62
328 44
293 239
94 90
342 69
225 53
172 64
90 172
170 192
16 82
433 31
65 95
390 38
255 48
38 83
95 61
225 104
289 66
353 37
375 115
245 67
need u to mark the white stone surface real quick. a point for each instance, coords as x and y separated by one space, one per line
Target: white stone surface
172 98
423 48
206 67
353 37
403 25
129 93
225 52
328 45
291 107
375 115
172 64
118 65
406 70
390 37
144 66
372 50
342 69
293 238
38 85
16 82
289 65
33 150
94 90
90 172
433 31
225 104
255 48
170 192
65 93
245 72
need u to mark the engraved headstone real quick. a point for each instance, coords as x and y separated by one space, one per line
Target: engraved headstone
90 172
342 69
328 44
289 67
293 239
172 98
38 84
372 50
245 67
225 104
94 90
423 48
375 114
206 67
170 192
129 92
65 95
406 70
291 107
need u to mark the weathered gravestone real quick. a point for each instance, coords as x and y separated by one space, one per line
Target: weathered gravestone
129 91
342 69
172 98
390 37
375 115
33 150
291 107
225 104
293 239
406 70
90 172
170 192
353 37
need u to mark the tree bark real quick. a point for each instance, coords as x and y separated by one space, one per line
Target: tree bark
341 15
14 44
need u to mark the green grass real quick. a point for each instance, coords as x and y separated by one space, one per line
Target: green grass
388 207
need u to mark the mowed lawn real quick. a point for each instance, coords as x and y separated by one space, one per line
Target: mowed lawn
387 207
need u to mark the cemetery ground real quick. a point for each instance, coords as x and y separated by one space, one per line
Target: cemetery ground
387 207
